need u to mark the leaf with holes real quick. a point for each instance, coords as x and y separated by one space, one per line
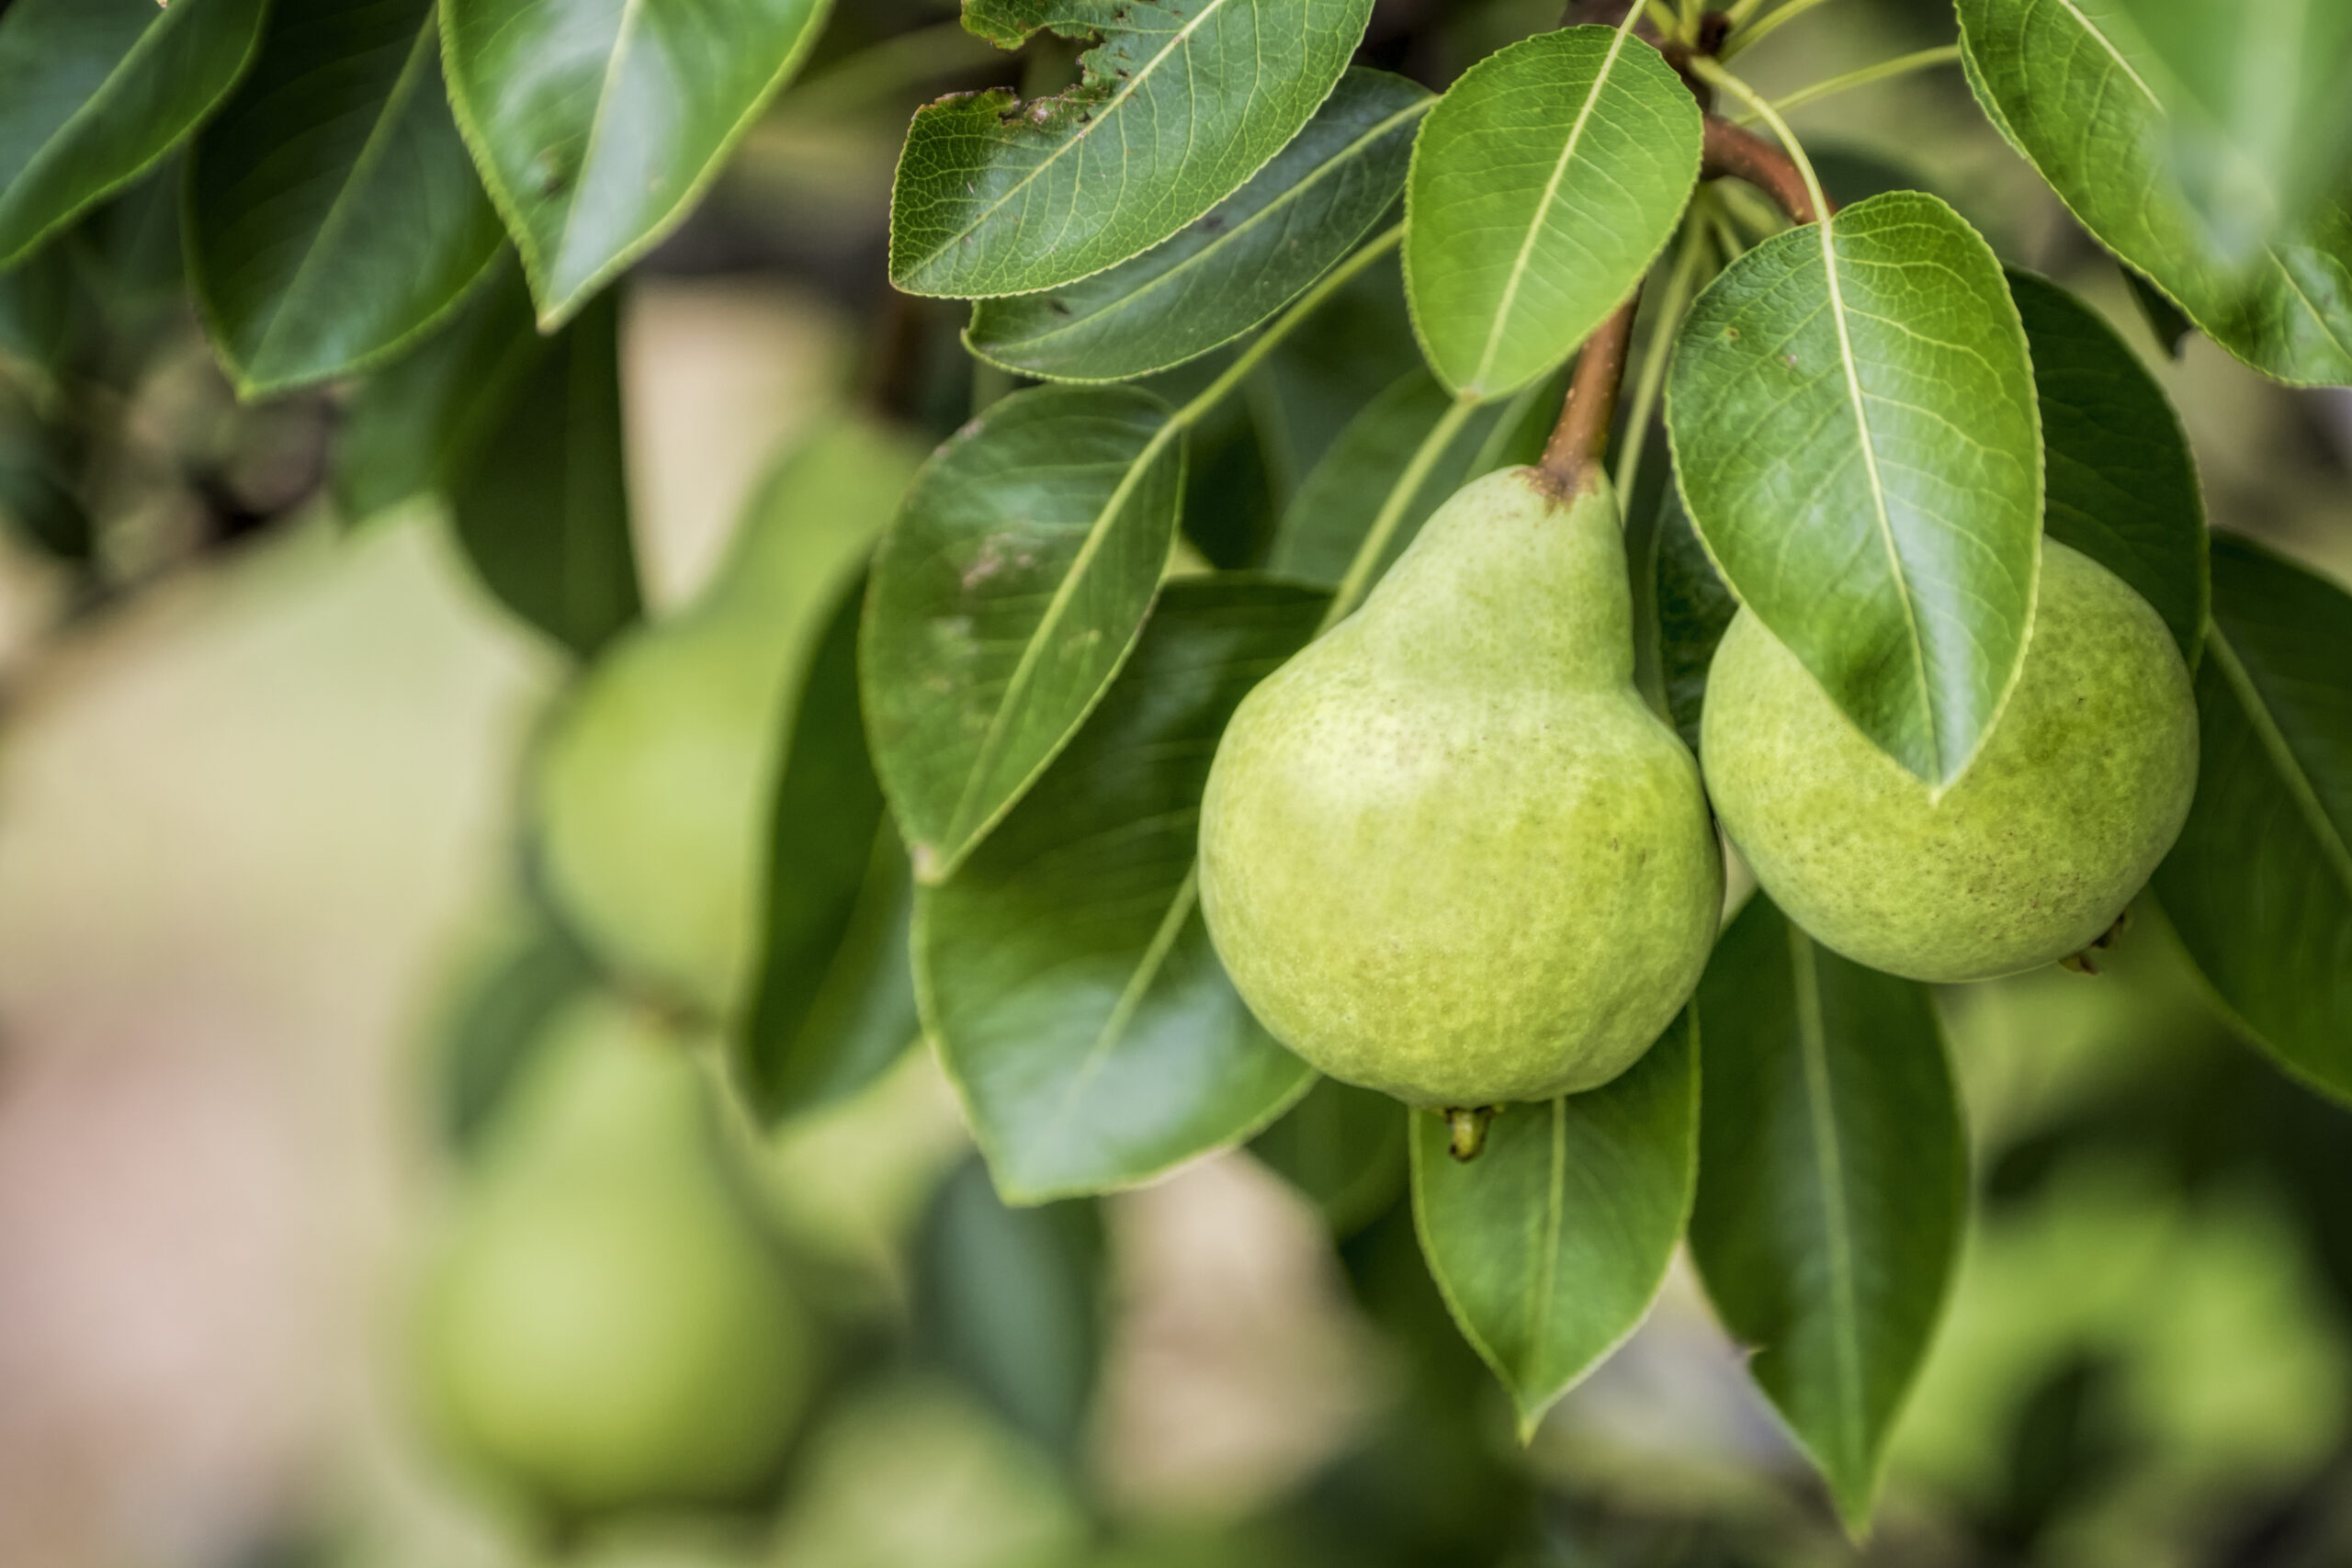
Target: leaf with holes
94 92
1064 972
2073 87
1855 431
1544 185
540 504
1179 105
1245 259
2121 486
2259 884
1552 1244
597 124
335 216
1833 1185
1006 595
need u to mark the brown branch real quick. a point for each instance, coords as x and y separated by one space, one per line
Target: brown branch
1582 437
1735 151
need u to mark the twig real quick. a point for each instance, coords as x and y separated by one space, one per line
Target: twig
1734 150
1580 439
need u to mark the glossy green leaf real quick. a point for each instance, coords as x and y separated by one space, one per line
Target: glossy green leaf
1321 375
38 307
1181 101
2069 85
597 124
2120 485
1066 973
540 504
1833 1185
1344 1149
1855 431
1552 1244
2165 324
419 422
92 92
1342 495
2254 92
835 1001
2259 885
1544 185
1006 595
1010 1301
1694 607
334 214
1245 259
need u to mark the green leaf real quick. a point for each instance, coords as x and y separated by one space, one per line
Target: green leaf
1833 1185
1181 102
38 311
1245 259
334 214
419 422
2070 86
1326 370
835 1001
1066 974
541 504
1694 606
2120 484
597 124
92 92
1544 185
39 496
1552 1244
2165 324
1010 1302
1344 1149
499 1020
1007 593
2259 885
1341 496
1854 427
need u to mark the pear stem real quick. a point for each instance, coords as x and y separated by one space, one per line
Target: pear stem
1572 458
1467 1130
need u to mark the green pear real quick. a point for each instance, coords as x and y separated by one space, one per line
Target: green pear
2028 856
1447 851
609 1325
653 785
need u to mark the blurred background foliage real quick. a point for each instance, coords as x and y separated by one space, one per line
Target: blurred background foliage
269 950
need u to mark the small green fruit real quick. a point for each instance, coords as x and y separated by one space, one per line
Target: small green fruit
609 1326
2078 791
653 787
1447 851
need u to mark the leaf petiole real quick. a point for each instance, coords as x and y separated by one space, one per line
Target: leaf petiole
1715 75
1672 300
1901 64
1744 39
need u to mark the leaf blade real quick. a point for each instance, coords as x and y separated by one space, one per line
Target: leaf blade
1242 261
1006 595
1857 439
1545 1289
1065 973
988 197
1832 1186
1512 259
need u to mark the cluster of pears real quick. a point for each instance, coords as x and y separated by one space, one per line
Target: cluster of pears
609 1325
1450 852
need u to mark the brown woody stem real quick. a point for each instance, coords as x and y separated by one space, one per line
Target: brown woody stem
1735 151
1582 438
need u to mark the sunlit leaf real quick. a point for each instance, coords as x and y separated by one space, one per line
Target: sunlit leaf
1552 1244
1855 433
1833 1185
336 214
1006 595
2259 884
1066 973
597 124
1181 102
1544 185
1242 261
92 92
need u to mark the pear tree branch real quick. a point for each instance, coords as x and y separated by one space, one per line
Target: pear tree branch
1582 438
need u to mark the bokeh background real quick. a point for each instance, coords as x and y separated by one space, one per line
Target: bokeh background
258 793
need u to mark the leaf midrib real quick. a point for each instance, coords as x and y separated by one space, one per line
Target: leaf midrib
1544 1286
622 37
2289 767
1829 1172
1177 40
1542 209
